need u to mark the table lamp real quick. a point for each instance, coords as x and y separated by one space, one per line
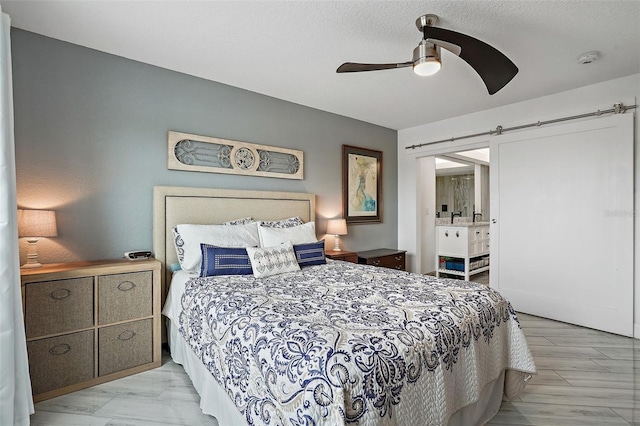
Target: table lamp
337 227
33 225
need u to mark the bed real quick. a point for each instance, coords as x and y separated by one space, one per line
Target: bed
332 343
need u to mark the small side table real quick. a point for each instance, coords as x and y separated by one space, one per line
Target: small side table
347 256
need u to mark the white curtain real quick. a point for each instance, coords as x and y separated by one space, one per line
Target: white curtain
15 387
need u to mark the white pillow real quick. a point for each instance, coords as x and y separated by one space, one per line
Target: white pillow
305 233
188 237
267 261
284 223
240 221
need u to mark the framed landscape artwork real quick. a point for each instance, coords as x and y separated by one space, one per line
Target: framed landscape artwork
361 184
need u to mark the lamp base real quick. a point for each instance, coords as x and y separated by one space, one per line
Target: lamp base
32 255
336 243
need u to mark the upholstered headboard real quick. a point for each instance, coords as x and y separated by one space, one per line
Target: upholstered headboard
175 205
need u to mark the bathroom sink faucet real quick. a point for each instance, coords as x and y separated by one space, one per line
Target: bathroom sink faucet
474 216
454 214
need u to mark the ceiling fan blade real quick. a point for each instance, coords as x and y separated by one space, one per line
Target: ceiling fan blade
495 69
355 67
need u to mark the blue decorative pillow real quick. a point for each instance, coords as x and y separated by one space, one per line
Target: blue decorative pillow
310 253
224 261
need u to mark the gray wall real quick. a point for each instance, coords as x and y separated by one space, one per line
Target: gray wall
91 140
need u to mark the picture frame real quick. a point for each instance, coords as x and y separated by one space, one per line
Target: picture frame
361 185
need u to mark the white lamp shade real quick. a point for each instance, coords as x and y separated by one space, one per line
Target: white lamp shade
37 223
337 227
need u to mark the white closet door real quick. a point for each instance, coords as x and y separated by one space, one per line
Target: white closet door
562 222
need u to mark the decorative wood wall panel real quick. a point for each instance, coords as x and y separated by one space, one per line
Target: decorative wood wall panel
212 155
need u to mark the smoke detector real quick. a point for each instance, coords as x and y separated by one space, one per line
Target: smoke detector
588 57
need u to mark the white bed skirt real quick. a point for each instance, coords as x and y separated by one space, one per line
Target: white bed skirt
215 402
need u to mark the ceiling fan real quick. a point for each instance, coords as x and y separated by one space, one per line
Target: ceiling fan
495 69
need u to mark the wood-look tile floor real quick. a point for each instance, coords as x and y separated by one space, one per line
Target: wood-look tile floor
586 377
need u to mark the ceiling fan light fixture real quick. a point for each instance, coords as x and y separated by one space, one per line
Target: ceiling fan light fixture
426 59
426 66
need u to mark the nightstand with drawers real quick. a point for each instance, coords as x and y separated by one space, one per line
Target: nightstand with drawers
90 322
386 258
347 256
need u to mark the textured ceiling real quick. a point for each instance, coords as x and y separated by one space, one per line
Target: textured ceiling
291 49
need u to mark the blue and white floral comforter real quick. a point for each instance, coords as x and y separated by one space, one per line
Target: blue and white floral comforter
352 344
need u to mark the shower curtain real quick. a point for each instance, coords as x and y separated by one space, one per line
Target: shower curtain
15 387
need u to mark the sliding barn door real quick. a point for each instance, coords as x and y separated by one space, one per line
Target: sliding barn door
562 222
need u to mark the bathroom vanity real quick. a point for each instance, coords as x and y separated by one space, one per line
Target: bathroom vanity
462 249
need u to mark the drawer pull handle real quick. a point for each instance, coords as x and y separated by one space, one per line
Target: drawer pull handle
398 257
446 233
457 234
126 335
60 349
60 293
126 286
376 262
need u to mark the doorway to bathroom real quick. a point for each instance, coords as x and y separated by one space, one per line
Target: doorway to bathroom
462 185
454 188
462 214
561 231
